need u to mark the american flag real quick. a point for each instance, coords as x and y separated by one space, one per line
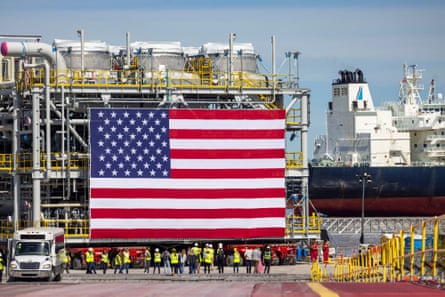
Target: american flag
187 174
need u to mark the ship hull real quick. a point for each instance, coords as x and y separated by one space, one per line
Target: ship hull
394 191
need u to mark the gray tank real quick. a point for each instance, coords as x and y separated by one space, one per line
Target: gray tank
154 56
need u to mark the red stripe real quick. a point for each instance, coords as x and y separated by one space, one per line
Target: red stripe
227 154
227 134
181 194
221 114
188 234
122 213
227 173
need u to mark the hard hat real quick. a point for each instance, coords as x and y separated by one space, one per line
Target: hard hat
156 250
210 245
196 244
0 254
173 250
220 245
268 247
90 249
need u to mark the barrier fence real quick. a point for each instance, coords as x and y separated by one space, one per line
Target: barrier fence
417 254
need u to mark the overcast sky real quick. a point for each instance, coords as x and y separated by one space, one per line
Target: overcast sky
376 36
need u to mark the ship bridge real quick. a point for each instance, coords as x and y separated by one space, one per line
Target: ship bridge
47 184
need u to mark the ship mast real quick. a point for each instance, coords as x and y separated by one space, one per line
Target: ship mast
409 93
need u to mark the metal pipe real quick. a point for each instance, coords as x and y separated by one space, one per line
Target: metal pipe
273 68
16 177
128 60
82 53
48 113
22 49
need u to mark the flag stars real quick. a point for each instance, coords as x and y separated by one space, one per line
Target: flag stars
130 143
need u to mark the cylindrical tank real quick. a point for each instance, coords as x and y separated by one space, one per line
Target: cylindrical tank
243 56
97 54
154 56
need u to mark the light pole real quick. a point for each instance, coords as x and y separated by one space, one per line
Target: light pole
363 179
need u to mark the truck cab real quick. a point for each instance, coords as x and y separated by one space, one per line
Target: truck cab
36 253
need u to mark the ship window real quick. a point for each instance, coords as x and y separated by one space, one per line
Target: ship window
442 133
425 145
437 144
415 145
344 91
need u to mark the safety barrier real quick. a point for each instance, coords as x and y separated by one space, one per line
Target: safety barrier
417 254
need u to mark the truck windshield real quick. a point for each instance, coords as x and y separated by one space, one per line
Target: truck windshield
32 248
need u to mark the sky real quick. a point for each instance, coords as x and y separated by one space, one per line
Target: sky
377 36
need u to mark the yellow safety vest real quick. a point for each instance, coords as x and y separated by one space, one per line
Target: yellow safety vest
117 260
104 258
208 257
89 257
157 257
1 264
236 257
127 257
174 258
147 256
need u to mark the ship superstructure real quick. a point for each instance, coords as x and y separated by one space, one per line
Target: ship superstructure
401 144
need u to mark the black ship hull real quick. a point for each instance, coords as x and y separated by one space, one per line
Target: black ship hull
394 191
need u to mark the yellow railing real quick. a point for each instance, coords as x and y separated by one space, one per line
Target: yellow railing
294 160
77 228
58 162
147 79
73 162
296 225
415 255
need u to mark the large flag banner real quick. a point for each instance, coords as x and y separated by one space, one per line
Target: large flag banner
187 174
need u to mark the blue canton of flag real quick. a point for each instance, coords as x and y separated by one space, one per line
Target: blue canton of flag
130 143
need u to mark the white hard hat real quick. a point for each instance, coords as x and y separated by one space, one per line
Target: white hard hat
0 254
90 249
210 245
196 244
220 245
156 250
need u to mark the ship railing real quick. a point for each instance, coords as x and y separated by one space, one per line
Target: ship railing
296 225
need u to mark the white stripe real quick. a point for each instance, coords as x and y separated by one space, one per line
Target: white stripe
184 183
254 144
228 124
226 163
187 223
159 203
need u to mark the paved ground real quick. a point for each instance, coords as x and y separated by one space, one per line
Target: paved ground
283 281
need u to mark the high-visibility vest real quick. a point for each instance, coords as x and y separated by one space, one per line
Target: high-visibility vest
157 257
117 260
236 257
1 264
89 257
267 255
104 258
208 257
147 255
127 259
174 258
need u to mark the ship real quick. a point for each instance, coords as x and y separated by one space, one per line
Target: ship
380 161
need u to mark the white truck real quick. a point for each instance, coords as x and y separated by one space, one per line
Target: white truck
36 253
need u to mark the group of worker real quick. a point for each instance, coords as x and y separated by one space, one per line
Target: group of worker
197 258
314 247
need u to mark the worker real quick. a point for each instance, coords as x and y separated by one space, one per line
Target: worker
174 261
1 267
126 261
89 259
147 260
236 260
118 263
197 252
65 259
104 260
325 248
248 259
157 261
267 259
314 251
220 257
208 259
